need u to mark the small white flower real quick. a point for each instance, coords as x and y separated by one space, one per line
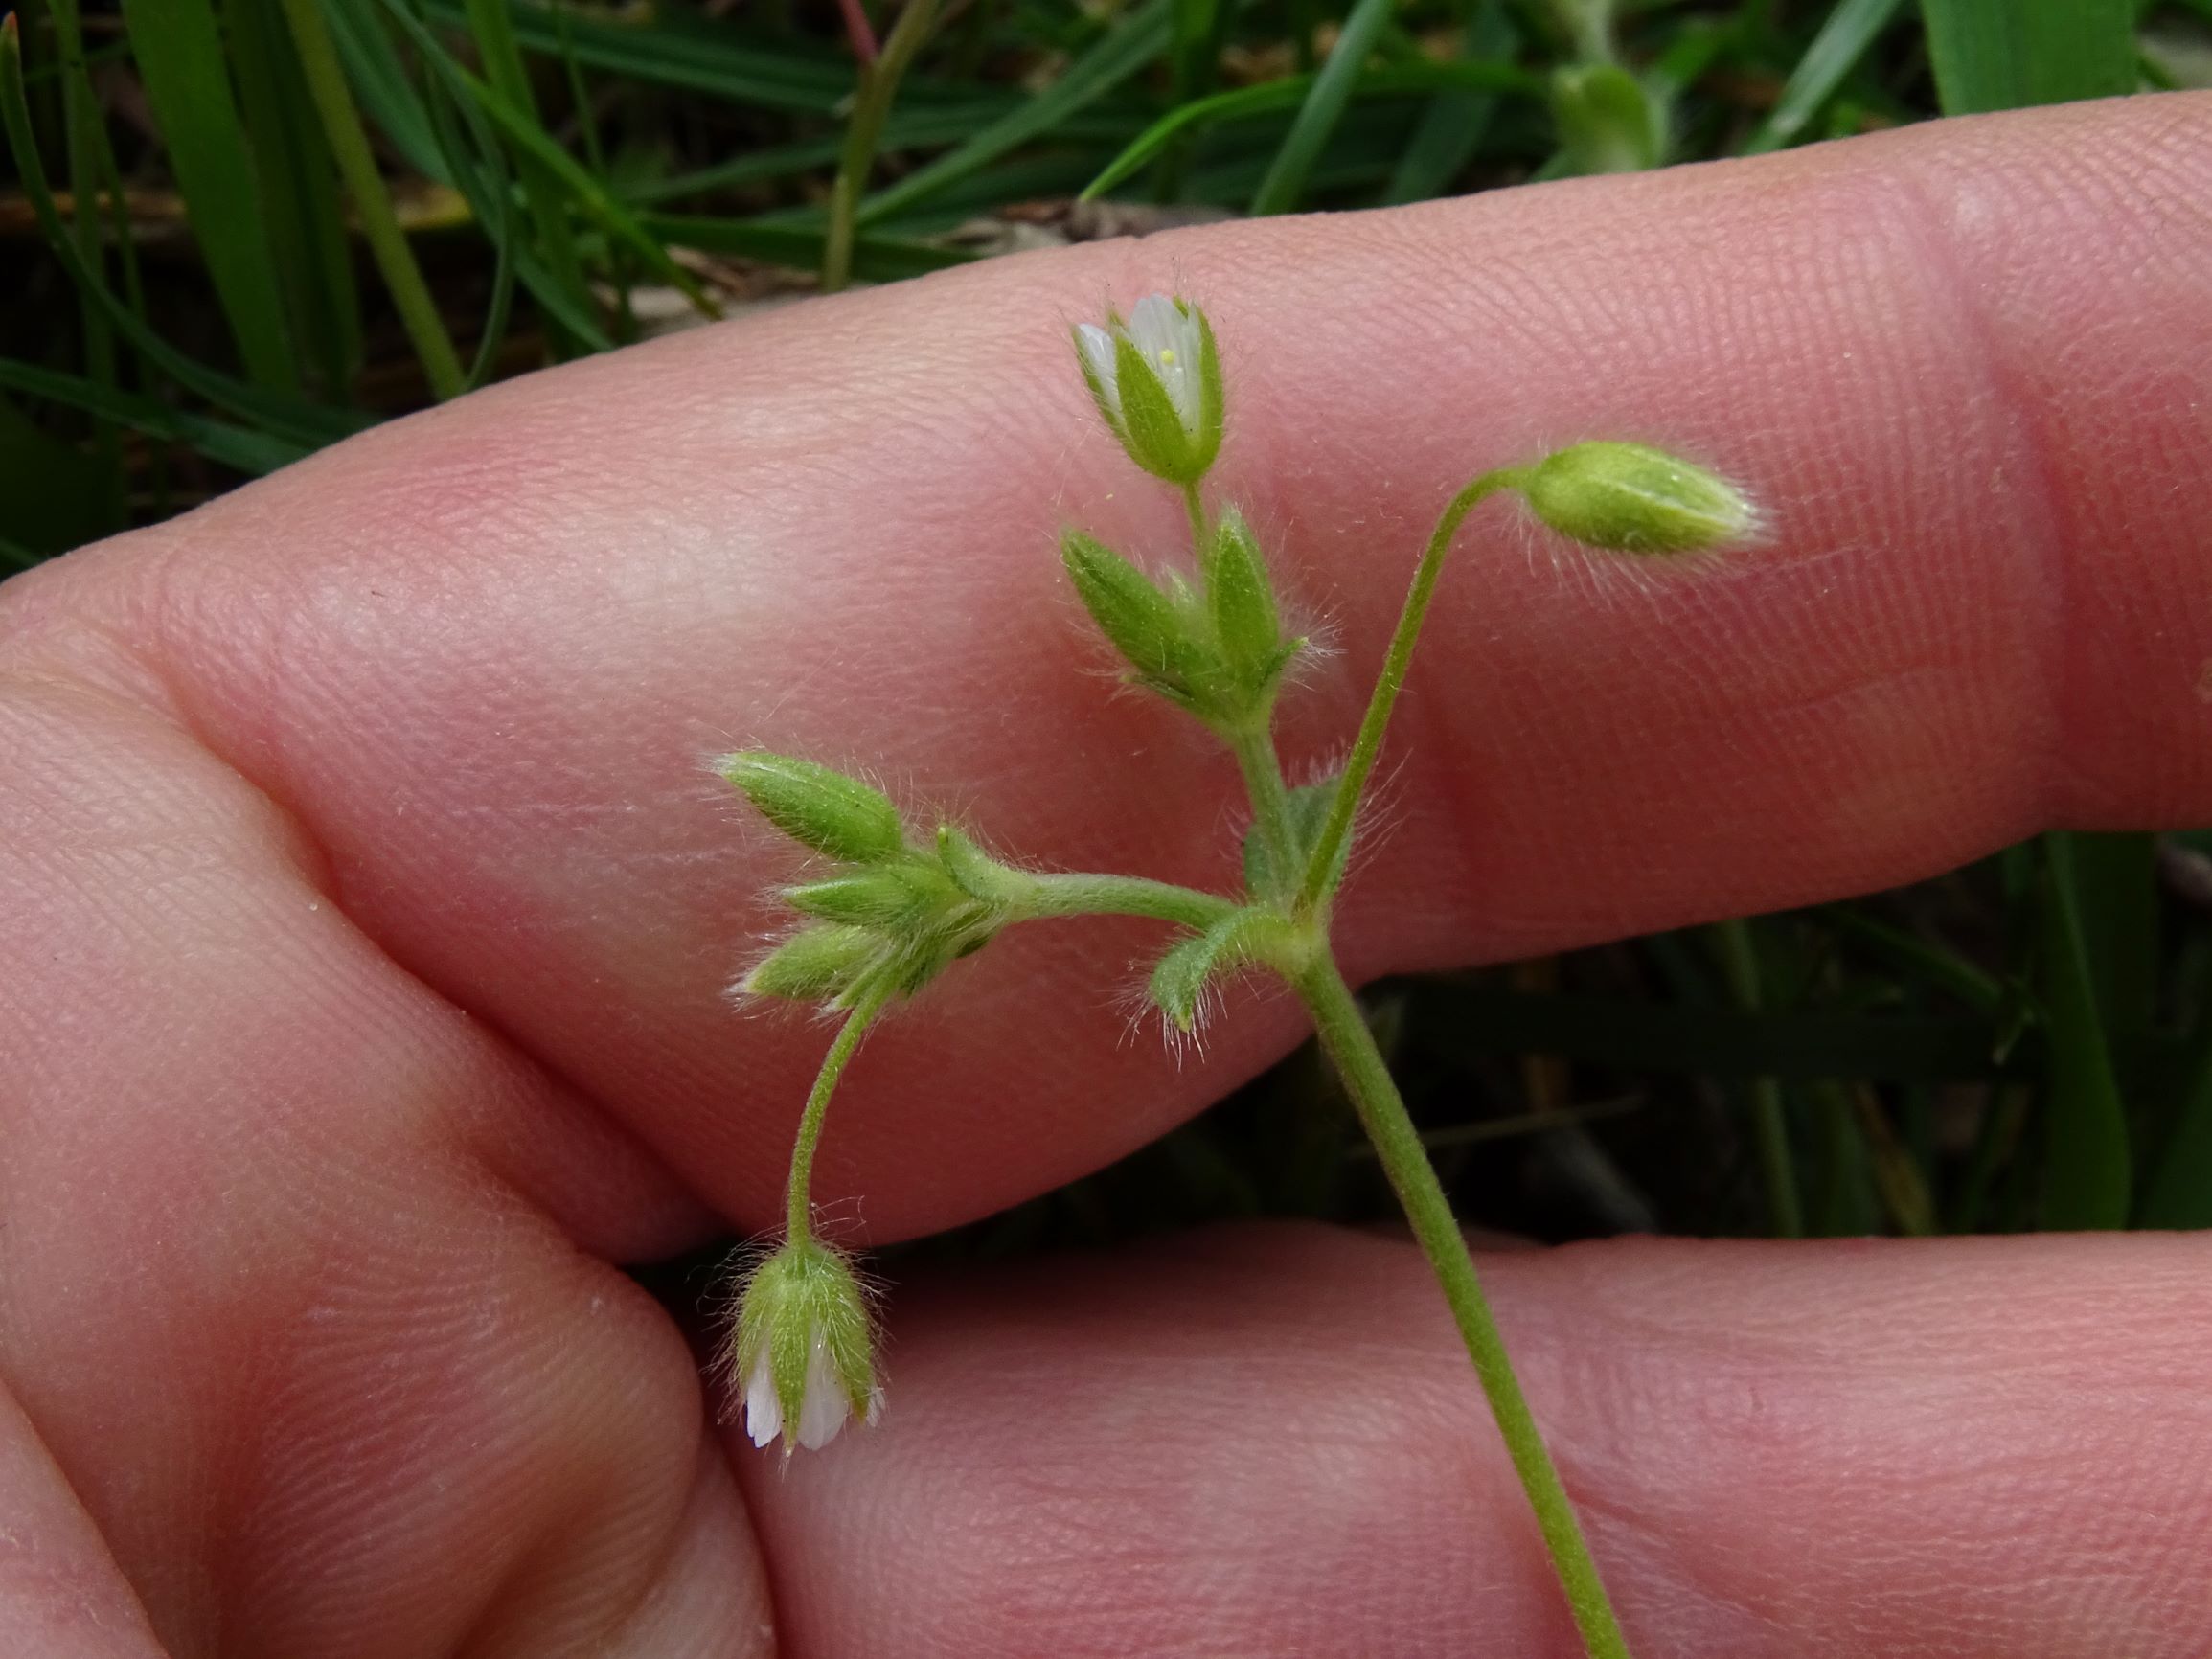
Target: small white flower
802 1348
1174 432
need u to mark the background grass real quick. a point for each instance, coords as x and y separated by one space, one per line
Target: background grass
235 229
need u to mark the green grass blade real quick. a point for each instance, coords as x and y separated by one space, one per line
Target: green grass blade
89 161
2179 1191
280 416
1288 175
1479 1022
2086 1170
1739 954
1292 92
53 490
501 57
1131 43
877 258
379 80
1835 53
670 50
530 139
238 446
300 201
178 47
349 146
2008 54
1453 130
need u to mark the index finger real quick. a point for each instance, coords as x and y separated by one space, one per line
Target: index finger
481 655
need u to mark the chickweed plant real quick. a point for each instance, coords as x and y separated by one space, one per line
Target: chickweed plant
895 908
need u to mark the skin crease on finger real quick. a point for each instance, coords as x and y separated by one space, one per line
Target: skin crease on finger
368 902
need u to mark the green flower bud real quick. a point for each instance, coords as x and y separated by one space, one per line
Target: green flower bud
817 966
1608 122
833 814
1627 498
1241 605
1157 380
1160 634
804 1348
890 896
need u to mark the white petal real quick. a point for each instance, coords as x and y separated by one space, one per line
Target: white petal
825 1408
764 1412
874 1406
1098 350
1167 336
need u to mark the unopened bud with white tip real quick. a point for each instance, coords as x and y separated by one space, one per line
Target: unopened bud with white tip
1630 498
803 1348
1157 380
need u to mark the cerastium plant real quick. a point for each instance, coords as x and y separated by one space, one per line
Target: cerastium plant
894 909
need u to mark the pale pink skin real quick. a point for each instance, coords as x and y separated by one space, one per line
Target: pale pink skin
367 910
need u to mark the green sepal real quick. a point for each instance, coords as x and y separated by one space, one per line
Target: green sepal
1241 604
978 874
1212 413
817 966
833 814
1151 428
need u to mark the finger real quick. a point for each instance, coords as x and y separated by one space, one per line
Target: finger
61 1596
1268 1443
295 1288
481 656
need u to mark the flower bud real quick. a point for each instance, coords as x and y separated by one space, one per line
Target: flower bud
1161 634
1241 604
1627 498
1157 380
817 966
1608 122
893 897
833 814
804 1348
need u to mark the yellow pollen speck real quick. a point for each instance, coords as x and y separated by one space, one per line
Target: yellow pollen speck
1167 356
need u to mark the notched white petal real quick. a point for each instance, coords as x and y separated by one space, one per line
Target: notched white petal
1098 353
824 1409
764 1412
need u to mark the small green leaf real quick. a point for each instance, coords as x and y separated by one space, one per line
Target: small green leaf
815 966
1180 979
833 814
1309 815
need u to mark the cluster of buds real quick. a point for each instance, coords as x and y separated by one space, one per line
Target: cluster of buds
893 911
890 915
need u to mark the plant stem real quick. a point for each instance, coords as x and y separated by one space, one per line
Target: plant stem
1381 1110
798 1201
1087 894
872 105
1255 753
1194 505
1321 864
379 224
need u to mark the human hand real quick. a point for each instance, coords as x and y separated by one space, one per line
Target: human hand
368 908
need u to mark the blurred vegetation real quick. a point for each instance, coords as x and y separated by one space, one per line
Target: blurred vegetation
235 229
